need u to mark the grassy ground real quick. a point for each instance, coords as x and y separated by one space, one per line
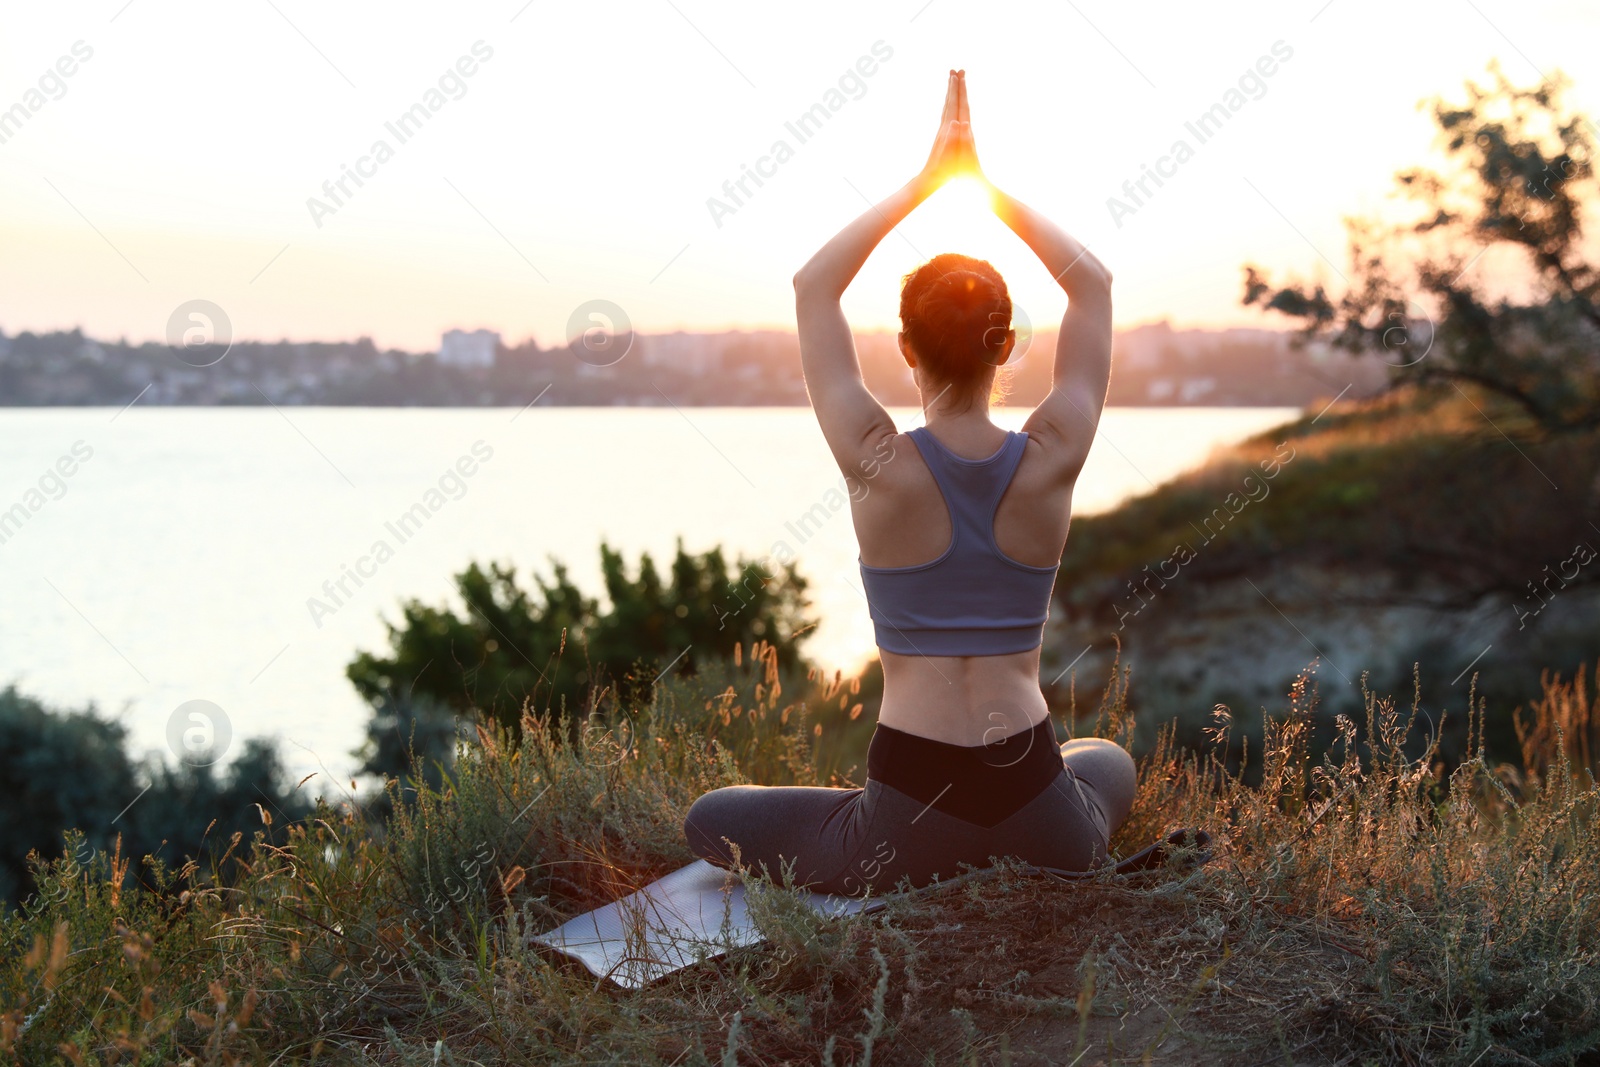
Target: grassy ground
1363 908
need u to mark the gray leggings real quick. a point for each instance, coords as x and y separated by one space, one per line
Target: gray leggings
847 840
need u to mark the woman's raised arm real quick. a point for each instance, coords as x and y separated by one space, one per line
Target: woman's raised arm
1067 418
852 420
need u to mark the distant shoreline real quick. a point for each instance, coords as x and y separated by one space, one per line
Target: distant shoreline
1153 366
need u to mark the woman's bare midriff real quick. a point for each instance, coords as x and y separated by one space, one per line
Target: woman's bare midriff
962 700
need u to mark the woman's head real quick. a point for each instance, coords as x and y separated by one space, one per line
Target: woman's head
955 324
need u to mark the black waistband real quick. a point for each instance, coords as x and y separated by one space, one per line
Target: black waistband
981 784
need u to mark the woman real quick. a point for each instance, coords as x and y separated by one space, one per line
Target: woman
961 534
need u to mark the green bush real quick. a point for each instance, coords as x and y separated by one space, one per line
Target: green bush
70 771
554 649
57 771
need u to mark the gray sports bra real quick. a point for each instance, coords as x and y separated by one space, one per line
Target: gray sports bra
973 600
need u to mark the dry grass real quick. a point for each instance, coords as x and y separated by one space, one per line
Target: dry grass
1367 906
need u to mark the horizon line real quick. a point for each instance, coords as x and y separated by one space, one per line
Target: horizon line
1053 327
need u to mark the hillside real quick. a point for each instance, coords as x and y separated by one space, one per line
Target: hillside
1419 527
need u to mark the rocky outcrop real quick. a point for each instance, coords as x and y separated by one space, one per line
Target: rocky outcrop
1241 639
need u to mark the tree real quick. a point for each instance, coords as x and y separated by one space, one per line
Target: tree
552 650
194 810
70 770
1519 175
57 772
412 739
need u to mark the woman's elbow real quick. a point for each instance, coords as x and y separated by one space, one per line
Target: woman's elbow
809 287
1096 285
806 281
1086 277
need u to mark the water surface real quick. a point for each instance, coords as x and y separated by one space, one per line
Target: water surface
185 557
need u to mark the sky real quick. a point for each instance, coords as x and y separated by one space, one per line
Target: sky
572 152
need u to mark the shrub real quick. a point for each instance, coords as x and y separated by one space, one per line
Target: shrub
62 771
555 650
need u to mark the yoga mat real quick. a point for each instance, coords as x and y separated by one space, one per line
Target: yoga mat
693 914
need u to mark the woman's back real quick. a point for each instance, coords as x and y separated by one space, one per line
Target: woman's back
902 519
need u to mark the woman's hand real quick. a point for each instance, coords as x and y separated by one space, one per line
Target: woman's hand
954 152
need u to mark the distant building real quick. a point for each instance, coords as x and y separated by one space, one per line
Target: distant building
1144 347
693 353
458 348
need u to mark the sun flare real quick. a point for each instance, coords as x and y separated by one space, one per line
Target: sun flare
960 217
969 193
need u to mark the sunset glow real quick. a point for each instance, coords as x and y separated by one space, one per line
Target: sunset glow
508 206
